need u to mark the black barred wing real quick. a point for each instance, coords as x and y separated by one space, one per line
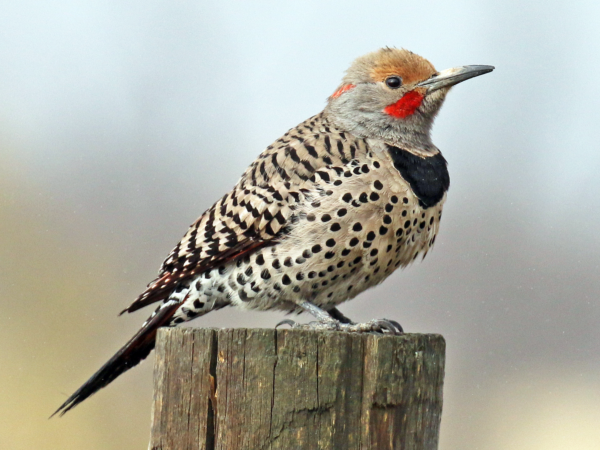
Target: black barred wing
258 210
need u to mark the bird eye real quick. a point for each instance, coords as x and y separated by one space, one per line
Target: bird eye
393 82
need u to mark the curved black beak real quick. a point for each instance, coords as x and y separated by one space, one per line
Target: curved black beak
450 77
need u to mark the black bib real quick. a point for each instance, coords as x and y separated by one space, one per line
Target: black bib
428 177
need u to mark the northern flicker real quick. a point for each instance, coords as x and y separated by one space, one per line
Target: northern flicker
330 209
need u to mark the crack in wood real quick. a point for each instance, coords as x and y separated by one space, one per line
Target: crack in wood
296 389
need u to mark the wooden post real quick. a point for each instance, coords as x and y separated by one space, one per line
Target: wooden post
254 389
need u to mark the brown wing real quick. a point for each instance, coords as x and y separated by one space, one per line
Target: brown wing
259 208
241 222
161 288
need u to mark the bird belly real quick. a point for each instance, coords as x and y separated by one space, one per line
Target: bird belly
347 237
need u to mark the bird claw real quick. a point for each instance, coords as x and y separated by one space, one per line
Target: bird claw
396 325
383 326
289 322
321 326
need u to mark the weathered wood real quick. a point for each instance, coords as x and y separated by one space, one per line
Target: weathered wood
252 389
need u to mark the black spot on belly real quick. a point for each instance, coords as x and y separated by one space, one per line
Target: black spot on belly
428 177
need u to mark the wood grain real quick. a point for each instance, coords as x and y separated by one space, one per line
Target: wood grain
235 389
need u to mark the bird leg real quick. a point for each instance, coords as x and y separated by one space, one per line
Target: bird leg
340 317
337 315
336 321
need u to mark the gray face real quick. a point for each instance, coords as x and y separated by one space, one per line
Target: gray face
394 95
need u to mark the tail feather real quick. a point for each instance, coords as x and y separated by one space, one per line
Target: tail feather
127 357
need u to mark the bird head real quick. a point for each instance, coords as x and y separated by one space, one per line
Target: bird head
394 95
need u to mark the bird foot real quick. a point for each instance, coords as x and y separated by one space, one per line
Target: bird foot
383 326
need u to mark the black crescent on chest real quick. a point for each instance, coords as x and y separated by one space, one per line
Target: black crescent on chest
428 177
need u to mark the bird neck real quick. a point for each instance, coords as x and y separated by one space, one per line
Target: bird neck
412 133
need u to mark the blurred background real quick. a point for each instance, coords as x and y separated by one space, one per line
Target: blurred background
121 122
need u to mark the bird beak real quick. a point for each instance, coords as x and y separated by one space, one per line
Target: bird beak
450 77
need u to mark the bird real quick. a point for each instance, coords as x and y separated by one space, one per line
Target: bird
330 209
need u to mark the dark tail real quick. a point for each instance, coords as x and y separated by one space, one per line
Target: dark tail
127 357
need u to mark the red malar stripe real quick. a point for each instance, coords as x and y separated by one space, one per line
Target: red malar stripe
406 106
